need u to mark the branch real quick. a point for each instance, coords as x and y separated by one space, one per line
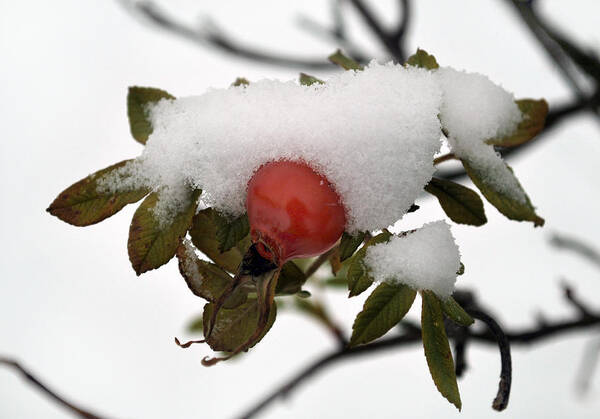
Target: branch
215 37
412 335
76 410
575 245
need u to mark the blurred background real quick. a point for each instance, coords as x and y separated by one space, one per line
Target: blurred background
73 310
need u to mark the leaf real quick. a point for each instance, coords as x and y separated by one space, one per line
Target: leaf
196 325
437 349
358 276
383 309
343 61
138 100
461 269
240 81
349 243
290 279
423 60
205 279
230 232
336 282
307 80
334 261
455 312
461 204
511 208
234 327
204 237
83 204
151 243
534 118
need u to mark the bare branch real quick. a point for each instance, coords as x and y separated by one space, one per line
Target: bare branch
76 410
577 246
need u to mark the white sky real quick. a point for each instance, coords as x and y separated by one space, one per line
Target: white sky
72 309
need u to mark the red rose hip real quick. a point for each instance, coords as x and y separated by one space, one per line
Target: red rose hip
293 211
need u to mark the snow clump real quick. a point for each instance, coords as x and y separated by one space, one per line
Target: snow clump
373 134
427 259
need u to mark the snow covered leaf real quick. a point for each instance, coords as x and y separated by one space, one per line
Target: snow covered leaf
308 80
234 327
204 236
349 243
153 242
534 117
422 59
383 309
230 232
343 61
240 81
504 201
358 276
437 349
461 204
85 203
455 312
138 99
205 279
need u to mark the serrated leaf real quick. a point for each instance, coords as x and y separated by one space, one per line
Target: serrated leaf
423 60
290 279
383 309
343 61
240 81
455 312
83 203
510 207
205 279
152 243
358 276
138 100
349 243
204 237
308 80
534 117
234 327
230 232
461 204
437 349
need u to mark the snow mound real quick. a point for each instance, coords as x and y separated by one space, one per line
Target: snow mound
427 259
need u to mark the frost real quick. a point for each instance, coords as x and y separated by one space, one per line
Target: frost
427 259
475 109
373 134
189 265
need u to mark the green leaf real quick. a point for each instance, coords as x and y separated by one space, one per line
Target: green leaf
358 276
240 81
349 244
138 100
204 237
307 80
461 269
534 118
343 61
455 312
230 232
461 204
83 203
437 349
234 327
205 279
510 207
290 279
383 309
196 325
422 59
152 243
336 282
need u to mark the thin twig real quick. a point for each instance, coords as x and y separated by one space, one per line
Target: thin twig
575 245
501 400
76 410
314 267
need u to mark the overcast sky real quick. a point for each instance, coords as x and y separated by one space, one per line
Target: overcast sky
72 309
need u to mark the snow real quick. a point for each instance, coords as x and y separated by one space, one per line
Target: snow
373 134
427 259
475 109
